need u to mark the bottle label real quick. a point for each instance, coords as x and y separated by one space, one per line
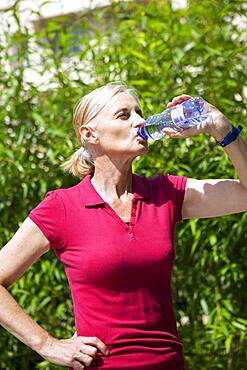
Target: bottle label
177 114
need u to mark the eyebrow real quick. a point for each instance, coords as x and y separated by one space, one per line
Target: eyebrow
124 109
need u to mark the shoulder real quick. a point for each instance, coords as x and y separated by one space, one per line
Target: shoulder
54 201
163 180
60 194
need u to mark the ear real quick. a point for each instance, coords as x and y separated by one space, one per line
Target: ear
88 134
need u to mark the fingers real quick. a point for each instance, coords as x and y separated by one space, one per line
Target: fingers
87 353
188 132
77 352
178 100
76 365
84 359
169 131
83 356
88 350
96 342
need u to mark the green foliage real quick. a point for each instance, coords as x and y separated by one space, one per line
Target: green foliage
161 52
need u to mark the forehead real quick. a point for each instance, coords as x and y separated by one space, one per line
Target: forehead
121 100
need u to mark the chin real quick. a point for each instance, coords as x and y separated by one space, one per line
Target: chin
141 151
144 146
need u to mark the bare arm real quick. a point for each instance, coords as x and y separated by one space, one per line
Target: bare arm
27 246
212 198
215 197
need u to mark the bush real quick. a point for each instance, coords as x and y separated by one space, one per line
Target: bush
162 53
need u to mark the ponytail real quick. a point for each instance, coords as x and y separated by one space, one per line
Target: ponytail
80 163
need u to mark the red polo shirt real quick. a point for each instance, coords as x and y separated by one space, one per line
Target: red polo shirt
120 274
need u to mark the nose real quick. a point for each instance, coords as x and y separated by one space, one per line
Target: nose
137 120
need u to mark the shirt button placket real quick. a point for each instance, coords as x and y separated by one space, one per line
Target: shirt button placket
133 214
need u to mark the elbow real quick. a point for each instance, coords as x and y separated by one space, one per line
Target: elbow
5 284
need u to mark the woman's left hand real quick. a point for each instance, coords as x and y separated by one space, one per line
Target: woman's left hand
217 125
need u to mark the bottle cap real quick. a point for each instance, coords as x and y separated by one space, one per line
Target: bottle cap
141 132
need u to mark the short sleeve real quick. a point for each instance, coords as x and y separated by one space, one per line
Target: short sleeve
49 216
176 191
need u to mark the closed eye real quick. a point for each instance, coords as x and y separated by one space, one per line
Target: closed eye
124 115
127 113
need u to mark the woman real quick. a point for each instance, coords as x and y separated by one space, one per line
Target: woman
113 231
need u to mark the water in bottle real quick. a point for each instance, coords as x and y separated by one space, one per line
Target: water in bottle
189 113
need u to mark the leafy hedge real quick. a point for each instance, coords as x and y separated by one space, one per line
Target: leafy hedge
161 52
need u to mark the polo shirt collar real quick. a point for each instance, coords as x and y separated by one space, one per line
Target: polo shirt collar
92 198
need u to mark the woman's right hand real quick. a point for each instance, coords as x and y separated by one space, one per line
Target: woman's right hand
76 352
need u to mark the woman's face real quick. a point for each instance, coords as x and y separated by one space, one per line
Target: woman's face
116 128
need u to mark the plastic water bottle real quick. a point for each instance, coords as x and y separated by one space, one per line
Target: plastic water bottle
189 113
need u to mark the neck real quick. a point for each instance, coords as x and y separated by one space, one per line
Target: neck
112 179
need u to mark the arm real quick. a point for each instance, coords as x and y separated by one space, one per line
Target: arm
210 198
26 246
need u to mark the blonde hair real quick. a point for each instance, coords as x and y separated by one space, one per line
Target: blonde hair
81 162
